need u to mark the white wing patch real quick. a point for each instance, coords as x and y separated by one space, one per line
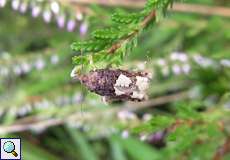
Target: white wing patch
138 95
124 86
142 83
118 92
121 84
123 81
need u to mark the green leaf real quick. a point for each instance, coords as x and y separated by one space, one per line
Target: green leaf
227 156
111 33
155 124
139 150
90 46
87 151
127 18
117 150
157 3
187 111
161 122
79 60
183 137
34 152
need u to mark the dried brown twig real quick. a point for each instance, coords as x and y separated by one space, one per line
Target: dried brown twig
40 124
177 7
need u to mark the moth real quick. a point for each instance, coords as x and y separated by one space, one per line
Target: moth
116 84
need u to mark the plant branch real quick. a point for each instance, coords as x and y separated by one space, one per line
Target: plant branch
177 7
123 3
143 24
132 106
36 123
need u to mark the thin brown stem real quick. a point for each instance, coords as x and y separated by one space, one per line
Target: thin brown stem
34 122
132 106
143 24
177 7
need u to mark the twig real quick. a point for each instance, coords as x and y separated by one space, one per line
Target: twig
143 24
123 3
43 124
156 101
177 7
202 9
34 125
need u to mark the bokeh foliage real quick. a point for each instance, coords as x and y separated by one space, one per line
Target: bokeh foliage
196 126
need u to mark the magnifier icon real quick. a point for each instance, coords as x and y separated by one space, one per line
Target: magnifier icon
9 147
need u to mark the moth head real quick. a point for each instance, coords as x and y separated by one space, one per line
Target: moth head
76 72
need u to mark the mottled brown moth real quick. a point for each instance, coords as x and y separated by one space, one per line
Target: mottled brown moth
116 84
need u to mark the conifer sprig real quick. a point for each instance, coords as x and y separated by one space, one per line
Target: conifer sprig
113 43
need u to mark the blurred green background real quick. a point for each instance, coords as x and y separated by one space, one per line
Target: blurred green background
186 116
